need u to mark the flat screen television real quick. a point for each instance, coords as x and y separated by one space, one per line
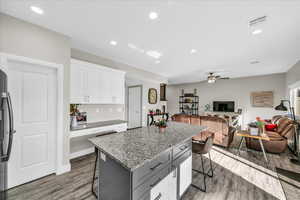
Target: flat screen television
223 106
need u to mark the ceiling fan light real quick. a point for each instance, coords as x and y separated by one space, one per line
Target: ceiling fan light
211 80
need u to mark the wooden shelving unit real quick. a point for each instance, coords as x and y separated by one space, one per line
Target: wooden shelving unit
189 105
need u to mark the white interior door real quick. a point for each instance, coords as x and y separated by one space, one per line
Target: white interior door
33 92
134 106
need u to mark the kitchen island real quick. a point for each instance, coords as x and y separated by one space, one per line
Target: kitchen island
145 164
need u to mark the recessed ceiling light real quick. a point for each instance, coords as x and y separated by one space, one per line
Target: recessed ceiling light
114 43
256 31
157 61
37 10
154 54
153 15
193 51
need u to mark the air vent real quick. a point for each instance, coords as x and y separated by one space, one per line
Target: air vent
257 20
254 62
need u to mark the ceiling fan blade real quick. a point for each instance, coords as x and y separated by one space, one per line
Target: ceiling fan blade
217 77
225 78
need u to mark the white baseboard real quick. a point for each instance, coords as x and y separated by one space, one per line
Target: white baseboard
82 153
63 169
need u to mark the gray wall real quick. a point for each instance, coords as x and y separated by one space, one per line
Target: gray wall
237 90
25 39
145 104
293 74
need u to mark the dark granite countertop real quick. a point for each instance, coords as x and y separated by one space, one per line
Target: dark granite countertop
135 147
97 124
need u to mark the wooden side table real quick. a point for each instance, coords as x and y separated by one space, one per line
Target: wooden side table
245 134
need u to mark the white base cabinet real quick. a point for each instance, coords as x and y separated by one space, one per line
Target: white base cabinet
166 189
95 84
185 175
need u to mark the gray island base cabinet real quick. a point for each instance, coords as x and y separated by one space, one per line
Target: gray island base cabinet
143 164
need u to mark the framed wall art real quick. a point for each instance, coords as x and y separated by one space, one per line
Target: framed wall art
152 96
262 99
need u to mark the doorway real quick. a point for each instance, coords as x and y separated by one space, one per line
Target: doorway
134 107
36 88
33 92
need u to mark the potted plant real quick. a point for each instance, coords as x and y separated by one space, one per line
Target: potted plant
162 125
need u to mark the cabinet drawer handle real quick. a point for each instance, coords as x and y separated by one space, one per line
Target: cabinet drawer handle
158 197
155 183
154 167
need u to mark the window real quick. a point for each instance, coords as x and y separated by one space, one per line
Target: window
295 100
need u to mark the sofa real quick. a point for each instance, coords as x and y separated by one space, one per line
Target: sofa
223 133
278 138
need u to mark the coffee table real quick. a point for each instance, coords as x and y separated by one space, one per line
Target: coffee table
246 134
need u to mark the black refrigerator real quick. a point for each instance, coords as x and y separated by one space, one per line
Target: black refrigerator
6 132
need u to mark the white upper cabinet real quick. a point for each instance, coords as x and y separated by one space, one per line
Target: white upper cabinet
95 84
78 83
117 93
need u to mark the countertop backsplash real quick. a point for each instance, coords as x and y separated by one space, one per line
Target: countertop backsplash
100 112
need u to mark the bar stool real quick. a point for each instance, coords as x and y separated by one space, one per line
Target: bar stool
94 174
201 148
96 163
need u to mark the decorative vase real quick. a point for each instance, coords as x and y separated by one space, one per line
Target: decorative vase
254 131
74 121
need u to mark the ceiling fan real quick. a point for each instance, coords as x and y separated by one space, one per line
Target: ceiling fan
212 78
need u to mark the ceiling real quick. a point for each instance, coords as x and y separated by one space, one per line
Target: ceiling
218 30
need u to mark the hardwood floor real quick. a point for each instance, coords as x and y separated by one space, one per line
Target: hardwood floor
225 185
76 185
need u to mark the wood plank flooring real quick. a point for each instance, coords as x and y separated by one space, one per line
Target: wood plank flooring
243 177
76 185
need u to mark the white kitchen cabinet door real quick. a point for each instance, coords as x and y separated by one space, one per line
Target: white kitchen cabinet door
117 88
105 89
166 189
157 191
78 83
185 175
171 185
95 84
93 88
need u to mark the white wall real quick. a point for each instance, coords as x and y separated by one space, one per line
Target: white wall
237 90
145 105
